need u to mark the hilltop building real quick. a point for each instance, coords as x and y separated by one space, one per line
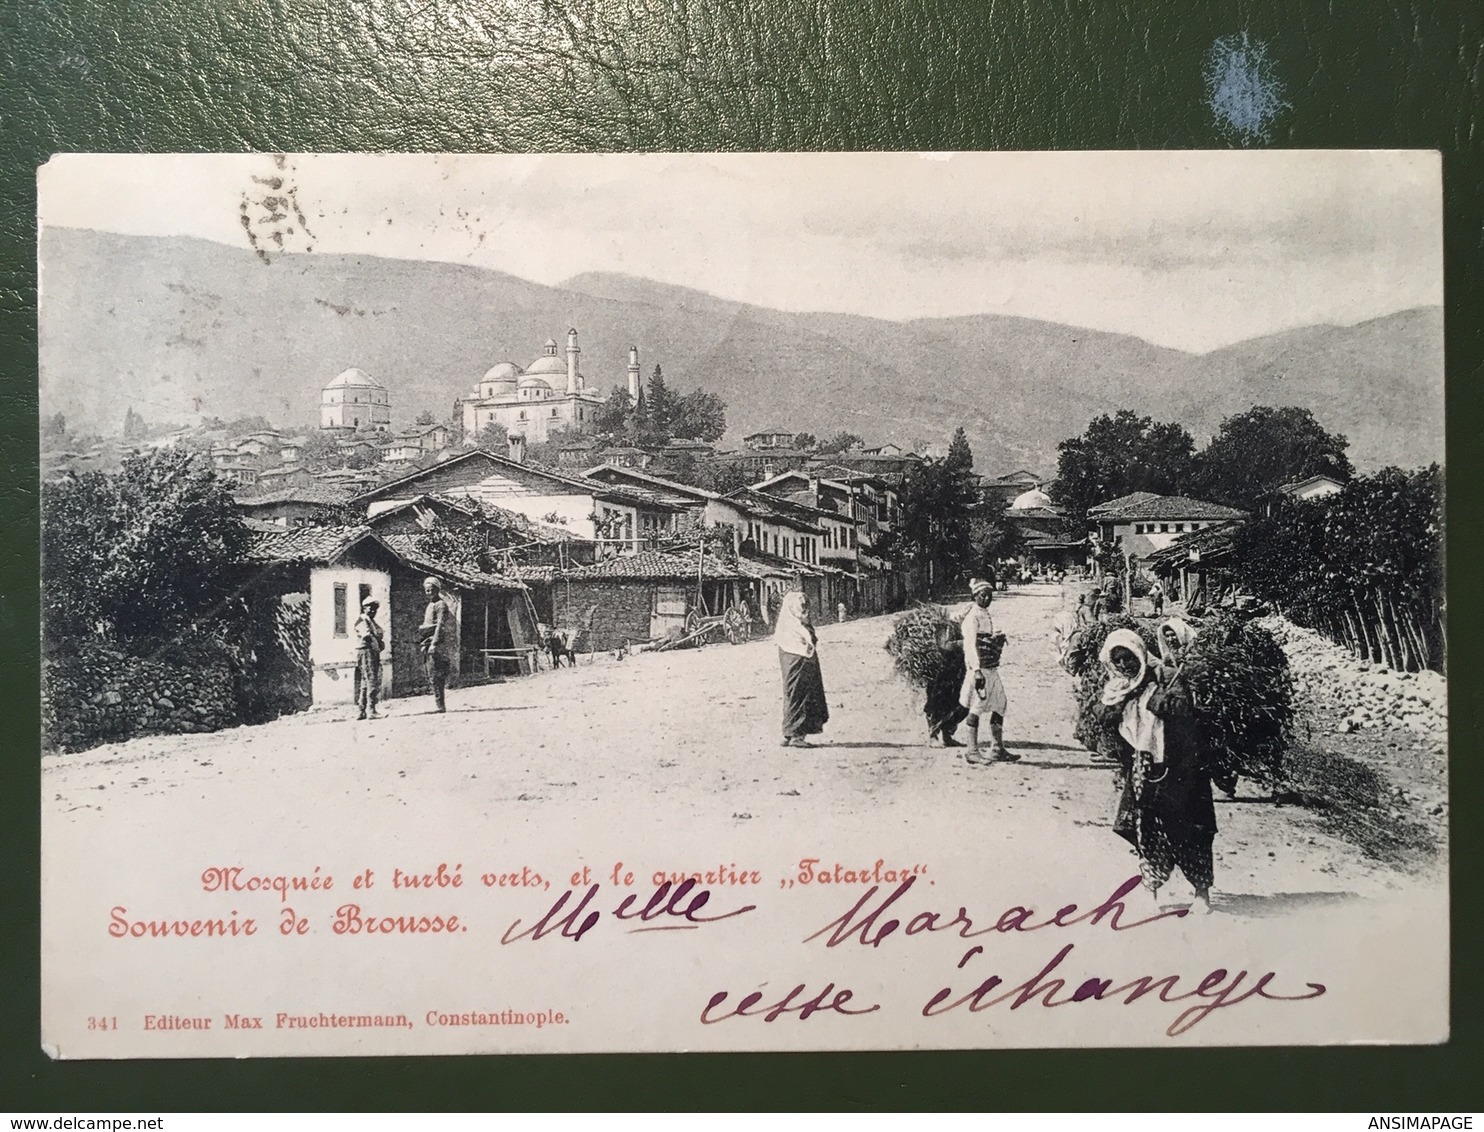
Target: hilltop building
355 400
549 395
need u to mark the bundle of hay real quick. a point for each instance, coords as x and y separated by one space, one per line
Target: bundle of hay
1242 692
1240 688
924 640
921 642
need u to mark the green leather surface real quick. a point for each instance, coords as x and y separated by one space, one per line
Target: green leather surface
91 75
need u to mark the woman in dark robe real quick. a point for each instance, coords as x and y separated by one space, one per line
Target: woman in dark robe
805 711
942 708
1165 811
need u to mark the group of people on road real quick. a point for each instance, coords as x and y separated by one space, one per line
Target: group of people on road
437 645
970 693
1165 809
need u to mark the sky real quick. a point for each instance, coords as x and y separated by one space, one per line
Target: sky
1193 250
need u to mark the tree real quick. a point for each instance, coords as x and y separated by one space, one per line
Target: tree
493 437
699 415
426 418
256 423
660 405
805 441
134 426
1258 451
1118 455
54 429
363 456
320 451
939 506
840 442
722 476
685 468
616 415
140 557
960 455
992 536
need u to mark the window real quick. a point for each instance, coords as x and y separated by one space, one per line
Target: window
1164 528
553 412
341 628
522 414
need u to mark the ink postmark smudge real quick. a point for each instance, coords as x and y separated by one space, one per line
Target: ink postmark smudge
1243 88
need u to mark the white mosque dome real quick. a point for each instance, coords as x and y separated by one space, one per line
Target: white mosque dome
1031 500
505 374
529 381
354 378
550 363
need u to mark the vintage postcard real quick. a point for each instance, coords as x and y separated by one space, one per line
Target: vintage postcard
532 604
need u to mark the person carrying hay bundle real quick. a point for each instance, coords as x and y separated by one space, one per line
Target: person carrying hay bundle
982 692
1165 810
927 649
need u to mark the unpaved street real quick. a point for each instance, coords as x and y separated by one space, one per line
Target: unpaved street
693 736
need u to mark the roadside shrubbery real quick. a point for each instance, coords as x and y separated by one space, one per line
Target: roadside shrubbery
1363 566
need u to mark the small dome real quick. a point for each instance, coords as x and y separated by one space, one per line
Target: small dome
354 377
530 382
504 373
550 363
1030 500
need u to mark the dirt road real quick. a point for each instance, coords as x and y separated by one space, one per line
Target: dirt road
692 735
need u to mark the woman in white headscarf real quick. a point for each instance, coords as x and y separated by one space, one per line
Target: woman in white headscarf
805 711
982 693
1176 635
1165 811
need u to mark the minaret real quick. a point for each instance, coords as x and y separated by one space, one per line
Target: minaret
572 352
633 375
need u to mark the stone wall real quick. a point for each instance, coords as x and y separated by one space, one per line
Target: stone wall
622 615
102 695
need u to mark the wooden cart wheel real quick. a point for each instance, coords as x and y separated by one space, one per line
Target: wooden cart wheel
692 623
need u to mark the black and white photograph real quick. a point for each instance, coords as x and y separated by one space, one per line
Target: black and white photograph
660 602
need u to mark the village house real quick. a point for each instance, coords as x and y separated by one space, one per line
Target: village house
889 467
645 596
259 444
1145 522
307 585
769 438
1319 486
293 505
779 543
1011 485
620 519
869 501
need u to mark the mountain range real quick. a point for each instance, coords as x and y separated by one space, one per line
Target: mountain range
178 328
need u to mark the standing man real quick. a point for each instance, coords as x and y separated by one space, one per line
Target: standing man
370 643
983 693
1157 598
438 637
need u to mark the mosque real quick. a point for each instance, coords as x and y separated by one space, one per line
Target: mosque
548 395
355 400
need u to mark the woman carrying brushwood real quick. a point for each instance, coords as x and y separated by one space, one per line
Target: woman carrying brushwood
942 708
982 693
1176 637
804 709
1165 811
